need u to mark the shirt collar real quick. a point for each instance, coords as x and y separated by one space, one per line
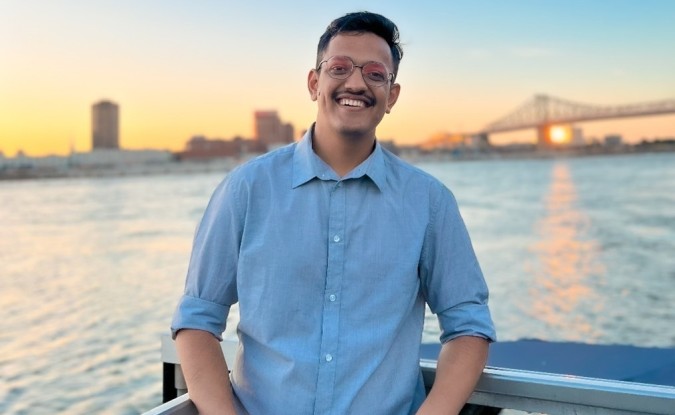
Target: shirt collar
307 165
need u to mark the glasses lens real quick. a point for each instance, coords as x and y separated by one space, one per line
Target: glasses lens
375 73
340 67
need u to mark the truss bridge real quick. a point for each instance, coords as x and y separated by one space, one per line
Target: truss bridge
543 111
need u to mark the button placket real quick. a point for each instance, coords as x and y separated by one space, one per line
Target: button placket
331 310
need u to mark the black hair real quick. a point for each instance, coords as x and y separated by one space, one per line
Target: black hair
363 22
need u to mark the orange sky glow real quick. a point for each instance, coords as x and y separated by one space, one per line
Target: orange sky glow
205 68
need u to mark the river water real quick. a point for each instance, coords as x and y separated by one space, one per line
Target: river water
574 249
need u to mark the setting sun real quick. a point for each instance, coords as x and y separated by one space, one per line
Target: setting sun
560 135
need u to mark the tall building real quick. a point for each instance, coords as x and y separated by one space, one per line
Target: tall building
105 125
270 131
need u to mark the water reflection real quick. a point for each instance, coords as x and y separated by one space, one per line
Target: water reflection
566 270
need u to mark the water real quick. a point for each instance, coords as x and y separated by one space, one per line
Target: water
573 249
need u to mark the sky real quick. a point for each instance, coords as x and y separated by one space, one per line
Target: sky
184 68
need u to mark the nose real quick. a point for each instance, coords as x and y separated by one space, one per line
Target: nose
355 81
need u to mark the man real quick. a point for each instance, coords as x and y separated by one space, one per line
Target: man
332 246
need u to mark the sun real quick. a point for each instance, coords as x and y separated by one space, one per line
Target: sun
560 135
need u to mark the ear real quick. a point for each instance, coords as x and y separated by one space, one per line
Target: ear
393 97
313 84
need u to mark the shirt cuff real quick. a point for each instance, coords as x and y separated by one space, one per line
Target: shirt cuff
467 320
195 313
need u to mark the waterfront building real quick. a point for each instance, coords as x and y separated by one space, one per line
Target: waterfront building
577 137
270 131
105 125
202 148
114 158
613 140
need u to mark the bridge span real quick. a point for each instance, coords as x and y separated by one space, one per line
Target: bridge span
544 111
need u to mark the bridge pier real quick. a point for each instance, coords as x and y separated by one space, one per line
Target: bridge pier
544 136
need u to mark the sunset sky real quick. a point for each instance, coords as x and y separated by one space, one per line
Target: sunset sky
181 68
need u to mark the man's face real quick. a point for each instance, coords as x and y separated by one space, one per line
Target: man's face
351 107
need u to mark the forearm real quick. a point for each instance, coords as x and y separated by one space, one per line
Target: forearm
205 372
460 364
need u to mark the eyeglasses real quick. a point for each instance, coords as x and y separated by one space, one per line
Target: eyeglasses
341 67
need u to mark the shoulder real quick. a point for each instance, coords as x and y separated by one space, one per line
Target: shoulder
270 169
275 161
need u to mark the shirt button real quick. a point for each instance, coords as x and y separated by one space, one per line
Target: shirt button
336 238
332 297
329 357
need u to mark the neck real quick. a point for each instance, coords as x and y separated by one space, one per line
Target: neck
342 153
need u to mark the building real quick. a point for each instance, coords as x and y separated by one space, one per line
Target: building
105 125
445 141
120 159
613 140
270 131
202 148
578 139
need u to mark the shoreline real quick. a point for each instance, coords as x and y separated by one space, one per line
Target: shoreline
226 164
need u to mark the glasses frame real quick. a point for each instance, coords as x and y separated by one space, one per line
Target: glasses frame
389 79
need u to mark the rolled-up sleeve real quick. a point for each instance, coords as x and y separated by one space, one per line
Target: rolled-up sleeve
452 281
211 283
195 313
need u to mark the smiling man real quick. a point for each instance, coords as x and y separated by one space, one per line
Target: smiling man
332 247
351 107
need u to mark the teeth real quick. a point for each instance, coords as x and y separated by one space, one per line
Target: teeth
351 102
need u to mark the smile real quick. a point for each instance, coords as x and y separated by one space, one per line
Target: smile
351 102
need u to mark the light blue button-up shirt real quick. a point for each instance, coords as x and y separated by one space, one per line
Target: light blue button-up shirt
332 275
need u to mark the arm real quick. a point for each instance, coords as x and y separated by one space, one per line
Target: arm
205 372
456 292
460 364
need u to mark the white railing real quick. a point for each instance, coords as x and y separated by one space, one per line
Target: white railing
508 389
562 394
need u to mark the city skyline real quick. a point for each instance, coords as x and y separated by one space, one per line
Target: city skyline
181 69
